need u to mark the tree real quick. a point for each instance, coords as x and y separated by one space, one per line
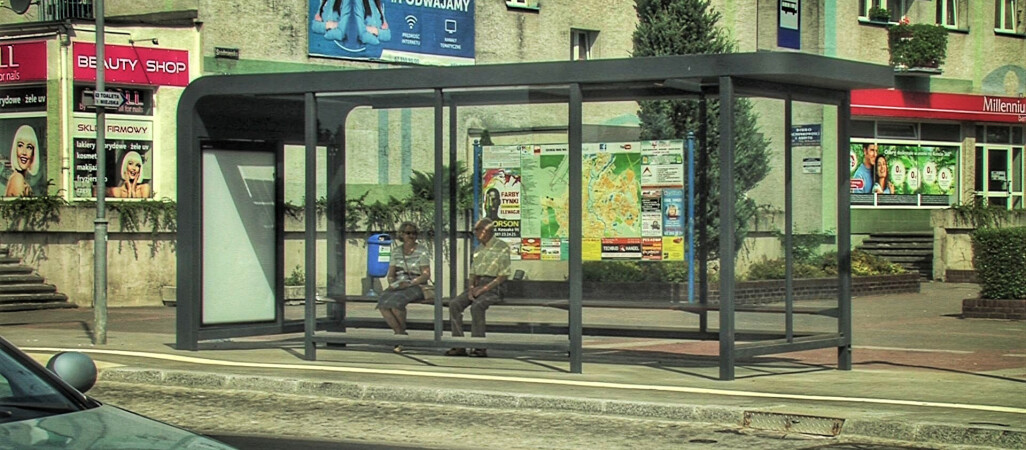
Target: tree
685 27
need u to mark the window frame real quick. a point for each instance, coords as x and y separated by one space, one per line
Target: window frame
948 9
576 36
1005 10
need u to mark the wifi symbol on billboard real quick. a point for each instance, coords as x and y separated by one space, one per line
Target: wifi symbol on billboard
411 21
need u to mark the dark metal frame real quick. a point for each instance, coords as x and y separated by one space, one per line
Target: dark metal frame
276 106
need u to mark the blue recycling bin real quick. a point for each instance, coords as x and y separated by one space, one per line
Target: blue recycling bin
379 254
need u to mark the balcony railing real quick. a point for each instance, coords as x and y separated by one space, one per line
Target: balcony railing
61 10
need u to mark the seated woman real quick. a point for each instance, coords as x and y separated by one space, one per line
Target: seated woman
370 21
409 269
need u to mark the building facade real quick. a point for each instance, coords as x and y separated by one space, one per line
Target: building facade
948 134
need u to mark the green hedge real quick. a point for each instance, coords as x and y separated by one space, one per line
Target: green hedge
999 256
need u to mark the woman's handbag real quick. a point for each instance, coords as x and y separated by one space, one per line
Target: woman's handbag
429 291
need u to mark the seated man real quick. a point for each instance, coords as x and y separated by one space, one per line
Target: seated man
488 270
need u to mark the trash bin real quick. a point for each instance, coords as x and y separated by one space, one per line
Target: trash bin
379 254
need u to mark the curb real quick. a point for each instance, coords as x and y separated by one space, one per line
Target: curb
919 433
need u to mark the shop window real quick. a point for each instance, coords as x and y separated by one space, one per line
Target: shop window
1017 136
940 132
862 129
1008 16
900 130
998 135
581 44
950 14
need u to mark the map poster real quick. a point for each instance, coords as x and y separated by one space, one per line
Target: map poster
662 163
652 249
621 248
673 248
673 212
611 196
530 249
651 212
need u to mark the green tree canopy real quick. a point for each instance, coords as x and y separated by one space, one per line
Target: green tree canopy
685 27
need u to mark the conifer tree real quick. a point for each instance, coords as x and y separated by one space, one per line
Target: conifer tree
685 27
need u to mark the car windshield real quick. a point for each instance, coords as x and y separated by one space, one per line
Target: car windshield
27 394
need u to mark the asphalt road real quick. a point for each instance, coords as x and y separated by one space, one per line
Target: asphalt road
250 419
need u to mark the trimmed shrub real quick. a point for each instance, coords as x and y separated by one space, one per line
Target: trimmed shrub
999 256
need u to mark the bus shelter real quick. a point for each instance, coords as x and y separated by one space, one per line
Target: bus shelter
232 131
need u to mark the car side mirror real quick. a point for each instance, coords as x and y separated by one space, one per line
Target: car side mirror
76 369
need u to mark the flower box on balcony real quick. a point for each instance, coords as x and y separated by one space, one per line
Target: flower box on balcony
917 46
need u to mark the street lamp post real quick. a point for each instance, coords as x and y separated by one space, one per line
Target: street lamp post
100 238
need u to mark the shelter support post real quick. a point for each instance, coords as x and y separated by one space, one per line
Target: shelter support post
453 200
726 228
439 123
788 226
703 207
575 139
844 233
310 236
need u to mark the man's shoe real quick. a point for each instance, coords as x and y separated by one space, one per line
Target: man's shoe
456 352
479 352
397 349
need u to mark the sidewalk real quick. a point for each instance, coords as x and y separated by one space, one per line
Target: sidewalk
921 374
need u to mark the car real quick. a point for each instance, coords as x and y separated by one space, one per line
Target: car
45 407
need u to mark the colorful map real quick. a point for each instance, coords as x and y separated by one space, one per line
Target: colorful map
612 191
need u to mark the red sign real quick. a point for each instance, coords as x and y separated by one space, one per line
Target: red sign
926 105
22 61
133 65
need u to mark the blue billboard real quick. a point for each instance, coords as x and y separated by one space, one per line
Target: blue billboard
428 32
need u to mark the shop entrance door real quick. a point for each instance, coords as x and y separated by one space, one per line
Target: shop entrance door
999 175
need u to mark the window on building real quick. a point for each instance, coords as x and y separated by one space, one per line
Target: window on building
522 4
1007 16
947 13
899 130
896 8
581 42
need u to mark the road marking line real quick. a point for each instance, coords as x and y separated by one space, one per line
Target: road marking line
924 350
1014 355
556 382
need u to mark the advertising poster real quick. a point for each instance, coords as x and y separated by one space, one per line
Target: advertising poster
530 249
902 174
24 156
621 248
673 212
662 164
129 155
427 32
652 249
651 212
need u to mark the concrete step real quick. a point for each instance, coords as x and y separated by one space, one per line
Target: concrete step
14 268
897 245
20 278
9 307
27 297
27 288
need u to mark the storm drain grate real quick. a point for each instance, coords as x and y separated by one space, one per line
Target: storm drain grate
793 423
